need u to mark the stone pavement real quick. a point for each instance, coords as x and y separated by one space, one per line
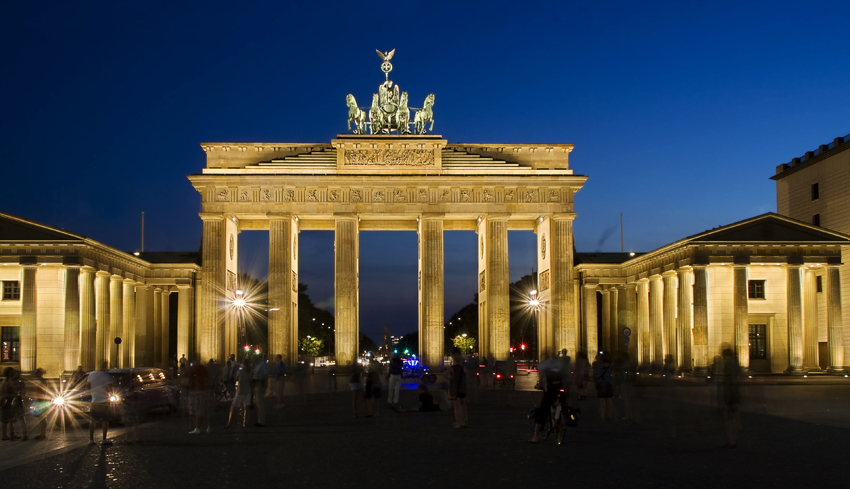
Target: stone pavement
792 436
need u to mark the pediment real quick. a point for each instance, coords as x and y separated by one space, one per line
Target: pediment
16 229
770 228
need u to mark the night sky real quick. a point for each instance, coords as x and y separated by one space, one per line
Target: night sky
679 112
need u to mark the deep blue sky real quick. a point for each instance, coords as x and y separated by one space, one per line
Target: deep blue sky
679 111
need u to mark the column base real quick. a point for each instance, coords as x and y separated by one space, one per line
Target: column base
814 370
795 371
836 371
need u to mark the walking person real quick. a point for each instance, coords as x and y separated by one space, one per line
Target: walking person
552 376
198 393
10 397
78 376
582 368
279 376
356 385
457 391
394 380
602 377
373 389
213 391
184 363
100 384
40 403
258 388
242 397
130 413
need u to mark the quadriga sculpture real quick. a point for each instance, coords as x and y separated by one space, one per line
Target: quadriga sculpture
424 115
355 115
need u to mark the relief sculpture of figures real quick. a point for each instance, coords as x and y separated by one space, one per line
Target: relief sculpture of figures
375 116
423 116
355 115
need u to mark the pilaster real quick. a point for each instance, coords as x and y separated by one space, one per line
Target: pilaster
644 338
88 320
166 328
833 320
346 286
431 288
29 316
794 308
700 319
605 340
614 318
283 284
184 312
71 357
212 293
656 319
810 322
564 321
683 316
741 309
590 320
669 328
627 318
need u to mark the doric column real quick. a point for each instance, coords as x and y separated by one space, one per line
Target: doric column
150 326
627 318
166 328
157 327
590 320
564 320
833 320
431 287
794 308
614 319
29 313
810 321
741 310
346 286
116 318
140 352
669 328
700 319
72 318
283 280
683 336
101 312
212 293
656 319
494 288
184 310
605 340
644 338
128 346
88 320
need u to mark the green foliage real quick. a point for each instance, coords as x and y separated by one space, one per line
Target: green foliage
311 346
465 343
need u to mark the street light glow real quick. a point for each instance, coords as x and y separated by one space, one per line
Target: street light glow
239 302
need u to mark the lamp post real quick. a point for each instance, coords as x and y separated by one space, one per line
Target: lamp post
239 302
534 303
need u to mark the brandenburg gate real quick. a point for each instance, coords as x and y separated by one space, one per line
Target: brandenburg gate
398 178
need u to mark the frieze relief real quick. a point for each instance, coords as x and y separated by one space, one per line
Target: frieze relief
481 280
221 194
544 281
388 157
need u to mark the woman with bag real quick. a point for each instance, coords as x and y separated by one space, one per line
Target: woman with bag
457 391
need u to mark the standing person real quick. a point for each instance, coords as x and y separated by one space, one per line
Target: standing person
373 389
731 398
242 398
258 387
172 364
582 368
41 403
356 386
394 380
225 379
279 376
100 383
213 392
602 376
8 400
550 378
457 391
198 393
183 364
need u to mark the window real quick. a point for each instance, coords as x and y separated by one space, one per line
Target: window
815 192
816 219
758 342
10 344
11 290
820 283
755 289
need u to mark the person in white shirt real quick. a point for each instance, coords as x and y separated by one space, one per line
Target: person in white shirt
101 384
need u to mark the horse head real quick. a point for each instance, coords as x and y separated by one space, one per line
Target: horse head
349 100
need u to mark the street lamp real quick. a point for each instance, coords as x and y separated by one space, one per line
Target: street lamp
534 303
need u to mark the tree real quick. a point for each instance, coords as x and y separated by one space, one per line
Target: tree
464 343
311 346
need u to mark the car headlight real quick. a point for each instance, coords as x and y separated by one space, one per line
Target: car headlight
58 401
114 398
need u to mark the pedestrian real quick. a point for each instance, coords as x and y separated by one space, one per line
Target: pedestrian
373 389
279 376
457 391
242 397
582 368
10 397
78 376
213 390
394 380
624 386
356 386
184 363
550 379
225 379
258 388
731 398
172 364
40 403
602 377
198 393
130 412
100 384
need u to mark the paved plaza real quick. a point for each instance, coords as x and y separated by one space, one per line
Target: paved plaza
792 434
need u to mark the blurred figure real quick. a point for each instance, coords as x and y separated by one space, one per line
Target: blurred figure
394 380
100 383
356 386
457 391
78 376
184 363
198 393
602 377
242 399
258 389
226 379
731 398
10 396
279 376
553 376
41 402
213 391
373 389
130 413
624 386
582 368
669 410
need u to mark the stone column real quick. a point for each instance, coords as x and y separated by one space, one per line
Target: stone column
644 338
431 287
656 319
741 308
101 284
29 313
157 327
346 285
494 287
669 329
166 328
810 322
605 340
212 293
150 326
590 320
184 310
614 319
116 319
88 320
627 318
282 280
833 321
72 318
700 319
564 320
128 346
140 352
794 308
685 359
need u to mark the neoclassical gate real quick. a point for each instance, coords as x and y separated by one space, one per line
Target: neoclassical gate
387 182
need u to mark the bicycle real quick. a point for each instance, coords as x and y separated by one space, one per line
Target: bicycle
561 416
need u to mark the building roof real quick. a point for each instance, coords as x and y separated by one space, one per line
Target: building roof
823 152
14 228
171 257
603 258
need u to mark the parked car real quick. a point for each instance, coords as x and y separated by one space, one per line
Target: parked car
154 388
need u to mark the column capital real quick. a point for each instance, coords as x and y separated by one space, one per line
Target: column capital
346 216
593 286
211 216
832 266
669 273
103 273
72 266
630 285
604 291
655 278
434 216
87 269
116 278
129 281
497 216
279 215
642 281
183 287
565 216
